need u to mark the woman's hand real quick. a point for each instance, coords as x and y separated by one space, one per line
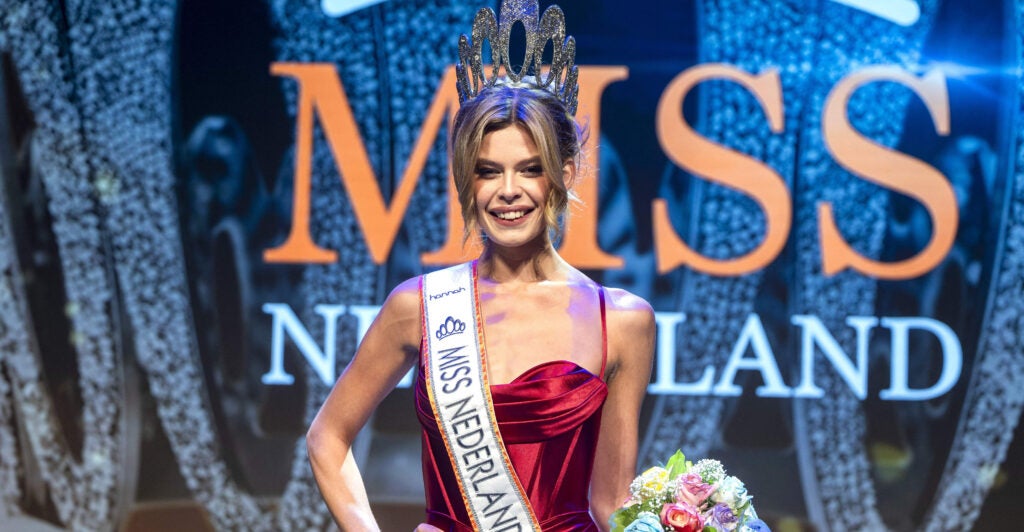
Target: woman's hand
423 527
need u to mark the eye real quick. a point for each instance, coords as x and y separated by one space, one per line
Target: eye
533 171
485 172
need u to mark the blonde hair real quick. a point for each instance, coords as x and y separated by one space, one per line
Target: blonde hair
543 116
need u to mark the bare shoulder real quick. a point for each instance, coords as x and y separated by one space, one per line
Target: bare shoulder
631 338
628 313
399 316
404 299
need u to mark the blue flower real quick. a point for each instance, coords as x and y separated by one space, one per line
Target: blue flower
722 518
756 525
645 522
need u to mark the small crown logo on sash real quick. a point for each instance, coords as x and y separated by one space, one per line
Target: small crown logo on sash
449 327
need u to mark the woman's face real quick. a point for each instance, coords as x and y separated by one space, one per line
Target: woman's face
511 189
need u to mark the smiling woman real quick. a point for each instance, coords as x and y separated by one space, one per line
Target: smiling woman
545 139
511 190
530 375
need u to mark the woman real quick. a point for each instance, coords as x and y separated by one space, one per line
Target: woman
564 363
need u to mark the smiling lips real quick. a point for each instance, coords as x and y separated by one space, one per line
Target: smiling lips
510 216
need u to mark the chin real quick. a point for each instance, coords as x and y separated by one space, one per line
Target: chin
506 241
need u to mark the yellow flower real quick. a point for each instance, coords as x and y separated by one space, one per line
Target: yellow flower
650 483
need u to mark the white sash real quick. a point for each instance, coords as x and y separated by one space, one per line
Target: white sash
456 381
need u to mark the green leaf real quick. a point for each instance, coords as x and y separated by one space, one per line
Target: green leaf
677 464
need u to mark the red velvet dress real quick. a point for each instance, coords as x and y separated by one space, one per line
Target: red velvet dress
549 418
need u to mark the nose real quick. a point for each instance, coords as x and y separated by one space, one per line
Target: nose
510 189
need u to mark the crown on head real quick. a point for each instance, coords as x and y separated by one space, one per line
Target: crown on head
561 78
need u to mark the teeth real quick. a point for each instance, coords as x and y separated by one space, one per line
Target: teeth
512 215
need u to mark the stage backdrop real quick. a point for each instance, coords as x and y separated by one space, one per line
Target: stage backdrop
205 203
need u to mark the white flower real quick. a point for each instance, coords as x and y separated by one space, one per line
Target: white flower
731 491
710 470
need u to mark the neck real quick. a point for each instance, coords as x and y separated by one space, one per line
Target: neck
527 264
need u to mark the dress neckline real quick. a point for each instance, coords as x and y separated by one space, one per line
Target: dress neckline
526 375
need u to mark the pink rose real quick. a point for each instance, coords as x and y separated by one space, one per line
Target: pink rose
682 517
692 489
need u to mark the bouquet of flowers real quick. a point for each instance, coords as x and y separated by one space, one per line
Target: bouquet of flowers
687 497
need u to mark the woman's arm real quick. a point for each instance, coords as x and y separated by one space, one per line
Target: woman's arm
389 349
631 340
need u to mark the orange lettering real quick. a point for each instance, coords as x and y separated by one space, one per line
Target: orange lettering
453 251
890 169
299 247
579 242
726 167
321 91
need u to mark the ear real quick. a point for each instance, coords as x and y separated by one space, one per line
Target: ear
569 173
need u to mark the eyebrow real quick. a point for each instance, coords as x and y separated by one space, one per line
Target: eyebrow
526 162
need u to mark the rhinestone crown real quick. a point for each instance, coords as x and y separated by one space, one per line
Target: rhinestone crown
561 78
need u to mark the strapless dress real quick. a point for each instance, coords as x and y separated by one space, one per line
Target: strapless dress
549 418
